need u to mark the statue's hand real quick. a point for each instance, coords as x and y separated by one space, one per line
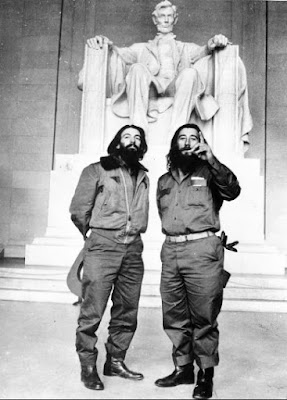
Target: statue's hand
98 41
218 41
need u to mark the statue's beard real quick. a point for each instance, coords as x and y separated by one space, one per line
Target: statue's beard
186 162
130 155
165 29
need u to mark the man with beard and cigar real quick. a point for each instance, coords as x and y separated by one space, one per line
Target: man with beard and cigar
189 197
111 200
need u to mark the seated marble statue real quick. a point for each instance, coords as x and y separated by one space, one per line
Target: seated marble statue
163 68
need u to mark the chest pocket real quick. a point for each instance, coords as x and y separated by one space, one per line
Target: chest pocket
113 195
108 195
100 198
196 196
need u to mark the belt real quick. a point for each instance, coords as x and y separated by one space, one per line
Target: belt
191 236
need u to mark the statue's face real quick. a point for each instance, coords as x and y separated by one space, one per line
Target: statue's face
165 20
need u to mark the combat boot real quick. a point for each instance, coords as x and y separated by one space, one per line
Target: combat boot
116 367
90 377
204 384
182 375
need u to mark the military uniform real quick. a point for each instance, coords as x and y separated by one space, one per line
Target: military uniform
192 259
114 205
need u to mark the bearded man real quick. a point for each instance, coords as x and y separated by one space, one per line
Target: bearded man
189 198
111 201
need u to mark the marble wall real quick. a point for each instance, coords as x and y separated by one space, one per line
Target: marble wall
41 52
29 42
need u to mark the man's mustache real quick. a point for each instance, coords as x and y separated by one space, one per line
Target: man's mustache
132 146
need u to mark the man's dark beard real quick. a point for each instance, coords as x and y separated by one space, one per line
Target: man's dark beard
187 163
130 155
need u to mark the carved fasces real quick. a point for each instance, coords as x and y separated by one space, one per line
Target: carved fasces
92 126
226 133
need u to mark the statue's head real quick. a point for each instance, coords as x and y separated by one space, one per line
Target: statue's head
165 16
129 142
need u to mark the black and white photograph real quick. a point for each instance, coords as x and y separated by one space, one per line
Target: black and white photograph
143 193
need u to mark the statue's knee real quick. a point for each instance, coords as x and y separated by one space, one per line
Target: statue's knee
189 73
138 69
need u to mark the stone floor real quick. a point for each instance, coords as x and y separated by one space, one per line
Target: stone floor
38 359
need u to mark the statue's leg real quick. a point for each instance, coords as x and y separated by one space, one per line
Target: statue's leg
138 82
187 86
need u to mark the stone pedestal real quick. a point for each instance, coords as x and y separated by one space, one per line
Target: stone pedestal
241 219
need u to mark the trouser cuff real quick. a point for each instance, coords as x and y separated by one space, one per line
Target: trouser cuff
183 360
88 360
207 362
113 352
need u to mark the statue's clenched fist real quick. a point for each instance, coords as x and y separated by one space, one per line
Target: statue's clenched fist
218 41
98 41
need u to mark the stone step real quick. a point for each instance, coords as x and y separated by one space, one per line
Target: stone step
37 296
145 301
253 293
56 282
256 258
230 305
254 306
64 255
251 281
251 258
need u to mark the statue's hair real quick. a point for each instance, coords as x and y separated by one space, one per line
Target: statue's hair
112 148
164 4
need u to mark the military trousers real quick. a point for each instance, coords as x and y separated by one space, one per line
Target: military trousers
192 291
114 269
